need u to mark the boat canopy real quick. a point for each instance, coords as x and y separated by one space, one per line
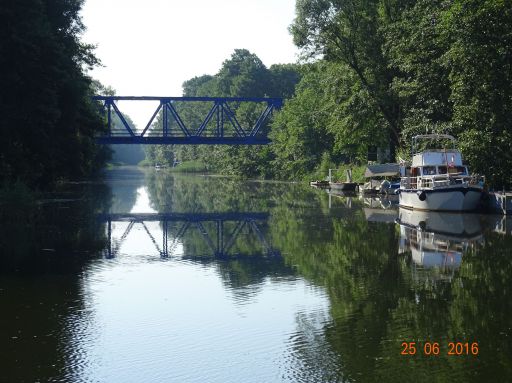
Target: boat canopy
434 137
382 170
421 141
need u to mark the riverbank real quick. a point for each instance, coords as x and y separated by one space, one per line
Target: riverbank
182 167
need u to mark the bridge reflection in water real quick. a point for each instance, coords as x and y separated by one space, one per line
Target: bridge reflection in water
219 231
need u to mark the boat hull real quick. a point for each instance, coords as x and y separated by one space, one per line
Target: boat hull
319 184
444 225
345 186
442 199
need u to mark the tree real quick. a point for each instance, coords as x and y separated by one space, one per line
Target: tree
453 65
299 132
350 32
48 119
415 48
479 65
330 112
283 79
242 75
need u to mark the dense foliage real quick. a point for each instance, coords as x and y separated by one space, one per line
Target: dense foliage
243 75
48 120
454 61
374 74
407 67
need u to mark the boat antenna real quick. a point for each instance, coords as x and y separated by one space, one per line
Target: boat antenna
445 156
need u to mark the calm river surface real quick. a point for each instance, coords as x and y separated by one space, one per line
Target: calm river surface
154 277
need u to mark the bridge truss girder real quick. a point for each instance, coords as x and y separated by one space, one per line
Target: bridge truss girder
220 113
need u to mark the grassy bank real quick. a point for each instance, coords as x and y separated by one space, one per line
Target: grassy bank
111 165
190 167
184 167
145 163
339 173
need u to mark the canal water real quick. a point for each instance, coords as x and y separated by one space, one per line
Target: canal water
155 277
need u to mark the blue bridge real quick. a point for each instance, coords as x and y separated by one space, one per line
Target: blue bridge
219 123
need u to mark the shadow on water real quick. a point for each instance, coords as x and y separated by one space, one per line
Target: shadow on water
45 247
389 276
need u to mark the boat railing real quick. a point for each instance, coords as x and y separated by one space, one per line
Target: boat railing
439 180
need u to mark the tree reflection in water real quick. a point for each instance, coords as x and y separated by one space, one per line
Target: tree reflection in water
429 277
443 278
383 294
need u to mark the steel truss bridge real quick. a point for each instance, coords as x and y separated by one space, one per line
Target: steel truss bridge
219 125
220 240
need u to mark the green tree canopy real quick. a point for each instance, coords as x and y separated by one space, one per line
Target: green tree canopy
48 119
242 75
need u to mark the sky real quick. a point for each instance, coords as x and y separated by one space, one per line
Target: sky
150 47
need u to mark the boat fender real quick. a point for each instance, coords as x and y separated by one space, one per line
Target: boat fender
422 196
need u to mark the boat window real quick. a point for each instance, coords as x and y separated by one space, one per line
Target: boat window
461 170
457 170
442 169
429 170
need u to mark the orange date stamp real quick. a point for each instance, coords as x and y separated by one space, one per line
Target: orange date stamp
434 348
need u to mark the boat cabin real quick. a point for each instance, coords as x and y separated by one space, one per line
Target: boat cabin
442 158
432 170
437 165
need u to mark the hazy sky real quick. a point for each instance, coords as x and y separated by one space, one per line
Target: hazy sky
149 47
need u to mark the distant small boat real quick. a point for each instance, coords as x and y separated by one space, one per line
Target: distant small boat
345 186
342 193
319 184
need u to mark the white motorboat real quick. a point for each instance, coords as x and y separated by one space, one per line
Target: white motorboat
437 178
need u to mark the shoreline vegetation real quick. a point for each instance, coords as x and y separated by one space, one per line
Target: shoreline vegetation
184 167
392 71
338 172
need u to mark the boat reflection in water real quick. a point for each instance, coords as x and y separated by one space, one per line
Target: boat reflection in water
438 240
